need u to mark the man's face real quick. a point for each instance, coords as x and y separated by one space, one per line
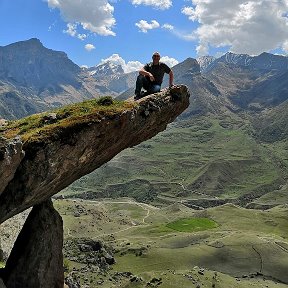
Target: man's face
156 58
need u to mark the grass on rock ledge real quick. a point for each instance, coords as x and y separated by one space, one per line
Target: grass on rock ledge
42 125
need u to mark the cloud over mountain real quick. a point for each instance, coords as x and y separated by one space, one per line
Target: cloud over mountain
245 26
131 66
116 59
169 61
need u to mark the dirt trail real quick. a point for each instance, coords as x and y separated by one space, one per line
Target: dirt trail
144 206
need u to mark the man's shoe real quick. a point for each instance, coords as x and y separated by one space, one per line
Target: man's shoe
137 96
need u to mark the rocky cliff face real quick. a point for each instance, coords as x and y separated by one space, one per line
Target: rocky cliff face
11 154
264 61
34 78
111 78
48 161
29 63
39 255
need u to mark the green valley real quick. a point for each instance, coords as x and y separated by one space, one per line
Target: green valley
247 248
200 160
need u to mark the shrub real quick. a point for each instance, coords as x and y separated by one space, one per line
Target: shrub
105 101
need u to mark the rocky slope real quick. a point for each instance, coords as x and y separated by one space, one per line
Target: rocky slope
250 83
111 78
56 154
34 78
205 62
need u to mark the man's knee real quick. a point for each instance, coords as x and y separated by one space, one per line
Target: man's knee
155 88
140 77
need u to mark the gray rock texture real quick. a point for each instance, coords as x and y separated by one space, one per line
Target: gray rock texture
55 160
11 154
36 259
2 285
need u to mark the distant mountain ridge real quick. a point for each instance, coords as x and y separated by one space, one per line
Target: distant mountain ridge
30 64
264 61
106 69
112 78
252 83
205 61
34 78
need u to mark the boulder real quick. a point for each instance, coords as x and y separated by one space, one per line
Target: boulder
36 259
62 154
2 285
11 154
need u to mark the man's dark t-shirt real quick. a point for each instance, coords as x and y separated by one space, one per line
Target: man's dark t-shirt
157 71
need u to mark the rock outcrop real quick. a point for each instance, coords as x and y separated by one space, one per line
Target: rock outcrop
36 259
11 154
2 284
54 161
50 159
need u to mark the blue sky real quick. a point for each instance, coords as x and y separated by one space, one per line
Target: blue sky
129 31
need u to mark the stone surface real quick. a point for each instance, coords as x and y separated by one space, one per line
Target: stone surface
11 154
51 164
2 285
34 79
36 259
9 230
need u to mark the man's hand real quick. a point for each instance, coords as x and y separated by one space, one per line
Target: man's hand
151 77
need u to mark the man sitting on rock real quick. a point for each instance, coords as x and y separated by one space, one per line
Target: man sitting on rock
151 76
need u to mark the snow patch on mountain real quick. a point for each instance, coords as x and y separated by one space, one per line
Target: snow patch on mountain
265 61
205 61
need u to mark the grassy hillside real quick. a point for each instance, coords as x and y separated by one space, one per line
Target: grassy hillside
247 248
204 158
272 124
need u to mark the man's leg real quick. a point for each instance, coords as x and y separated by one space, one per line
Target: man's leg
140 82
154 89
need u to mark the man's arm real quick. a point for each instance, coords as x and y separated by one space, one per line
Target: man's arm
171 78
143 72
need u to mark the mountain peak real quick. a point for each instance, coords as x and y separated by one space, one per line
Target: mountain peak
205 61
107 68
264 61
26 44
31 64
34 41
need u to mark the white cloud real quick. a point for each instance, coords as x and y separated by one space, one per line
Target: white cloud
169 61
190 12
168 26
285 46
81 36
89 47
144 26
72 31
95 16
159 4
128 67
131 66
245 26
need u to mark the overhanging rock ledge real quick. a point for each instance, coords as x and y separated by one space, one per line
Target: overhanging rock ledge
46 165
